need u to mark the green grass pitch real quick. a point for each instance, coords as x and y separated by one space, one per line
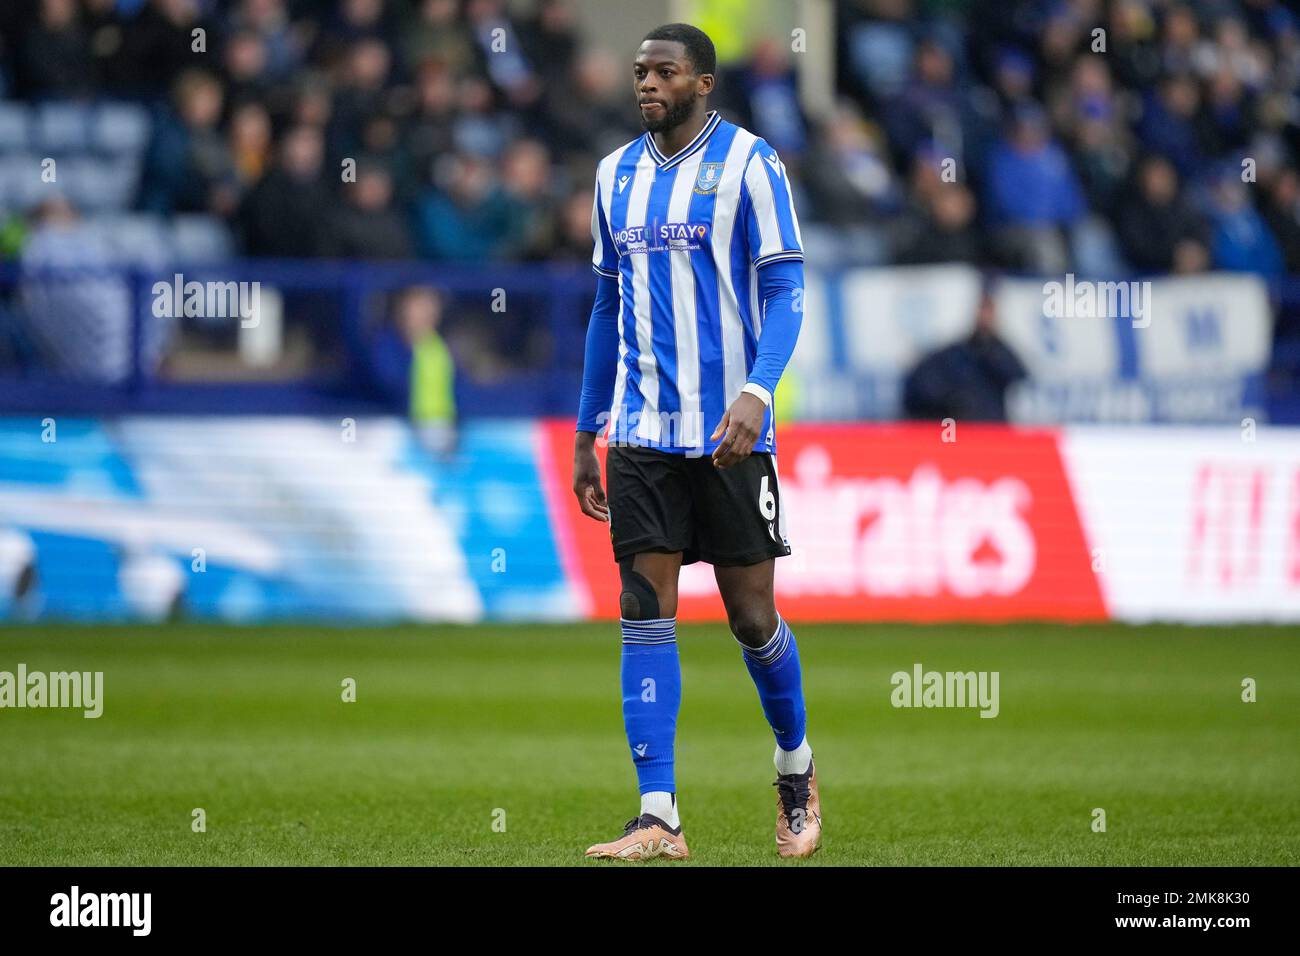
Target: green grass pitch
457 728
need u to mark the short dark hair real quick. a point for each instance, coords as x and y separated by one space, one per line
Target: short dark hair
699 48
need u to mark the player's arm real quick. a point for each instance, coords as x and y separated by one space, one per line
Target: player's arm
776 250
780 296
599 366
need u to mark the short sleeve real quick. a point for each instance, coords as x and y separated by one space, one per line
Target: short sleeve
604 256
771 226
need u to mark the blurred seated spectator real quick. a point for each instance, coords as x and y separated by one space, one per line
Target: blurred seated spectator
142 47
1031 196
436 33
188 155
368 225
934 108
1097 136
967 380
55 56
1174 125
270 19
287 213
526 181
414 368
589 117
75 313
245 61
1282 214
248 144
767 97
467 217
1154 221
946 231
571 239
1241 240
849 177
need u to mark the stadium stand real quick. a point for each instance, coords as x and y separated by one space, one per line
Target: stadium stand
1004 134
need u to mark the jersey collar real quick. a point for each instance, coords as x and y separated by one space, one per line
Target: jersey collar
665 162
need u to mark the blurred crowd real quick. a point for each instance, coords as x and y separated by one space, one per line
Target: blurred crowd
1160 135
1042 135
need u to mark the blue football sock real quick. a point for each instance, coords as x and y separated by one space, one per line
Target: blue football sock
775 670
652 694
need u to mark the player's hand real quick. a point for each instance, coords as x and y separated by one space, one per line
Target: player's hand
739 430
586 478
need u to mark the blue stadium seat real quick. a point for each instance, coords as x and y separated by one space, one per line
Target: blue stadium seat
93 183
15 126
61 127
141 238
120 128
200 238
20 181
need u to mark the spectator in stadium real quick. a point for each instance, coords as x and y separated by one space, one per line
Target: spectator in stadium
245 61
967 380
1240 239
571 239
188 155
55 58
249 144
525 179
367 225
81 324
1087 110
500 48
767 101
361 92
1133 51
1153 221
429 132
945 233
466 217
1282 215
270 19
934 110
1174 125
413 367
551 41
1013 79
1031 196
589 117
142 49
436 34
849 177
286 214
480 125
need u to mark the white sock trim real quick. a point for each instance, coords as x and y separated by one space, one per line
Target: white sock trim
661 804
793 761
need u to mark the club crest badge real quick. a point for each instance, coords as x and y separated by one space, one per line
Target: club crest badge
707 179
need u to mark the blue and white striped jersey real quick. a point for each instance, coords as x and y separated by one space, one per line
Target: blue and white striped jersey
685 235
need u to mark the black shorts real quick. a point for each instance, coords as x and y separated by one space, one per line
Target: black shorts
659 501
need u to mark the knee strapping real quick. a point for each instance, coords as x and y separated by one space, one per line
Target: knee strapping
638 602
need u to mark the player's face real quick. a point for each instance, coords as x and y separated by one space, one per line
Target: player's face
666 85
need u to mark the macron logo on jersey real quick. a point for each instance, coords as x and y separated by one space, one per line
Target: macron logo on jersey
622 181
774 163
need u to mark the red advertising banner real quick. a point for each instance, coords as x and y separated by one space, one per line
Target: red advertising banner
888 522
